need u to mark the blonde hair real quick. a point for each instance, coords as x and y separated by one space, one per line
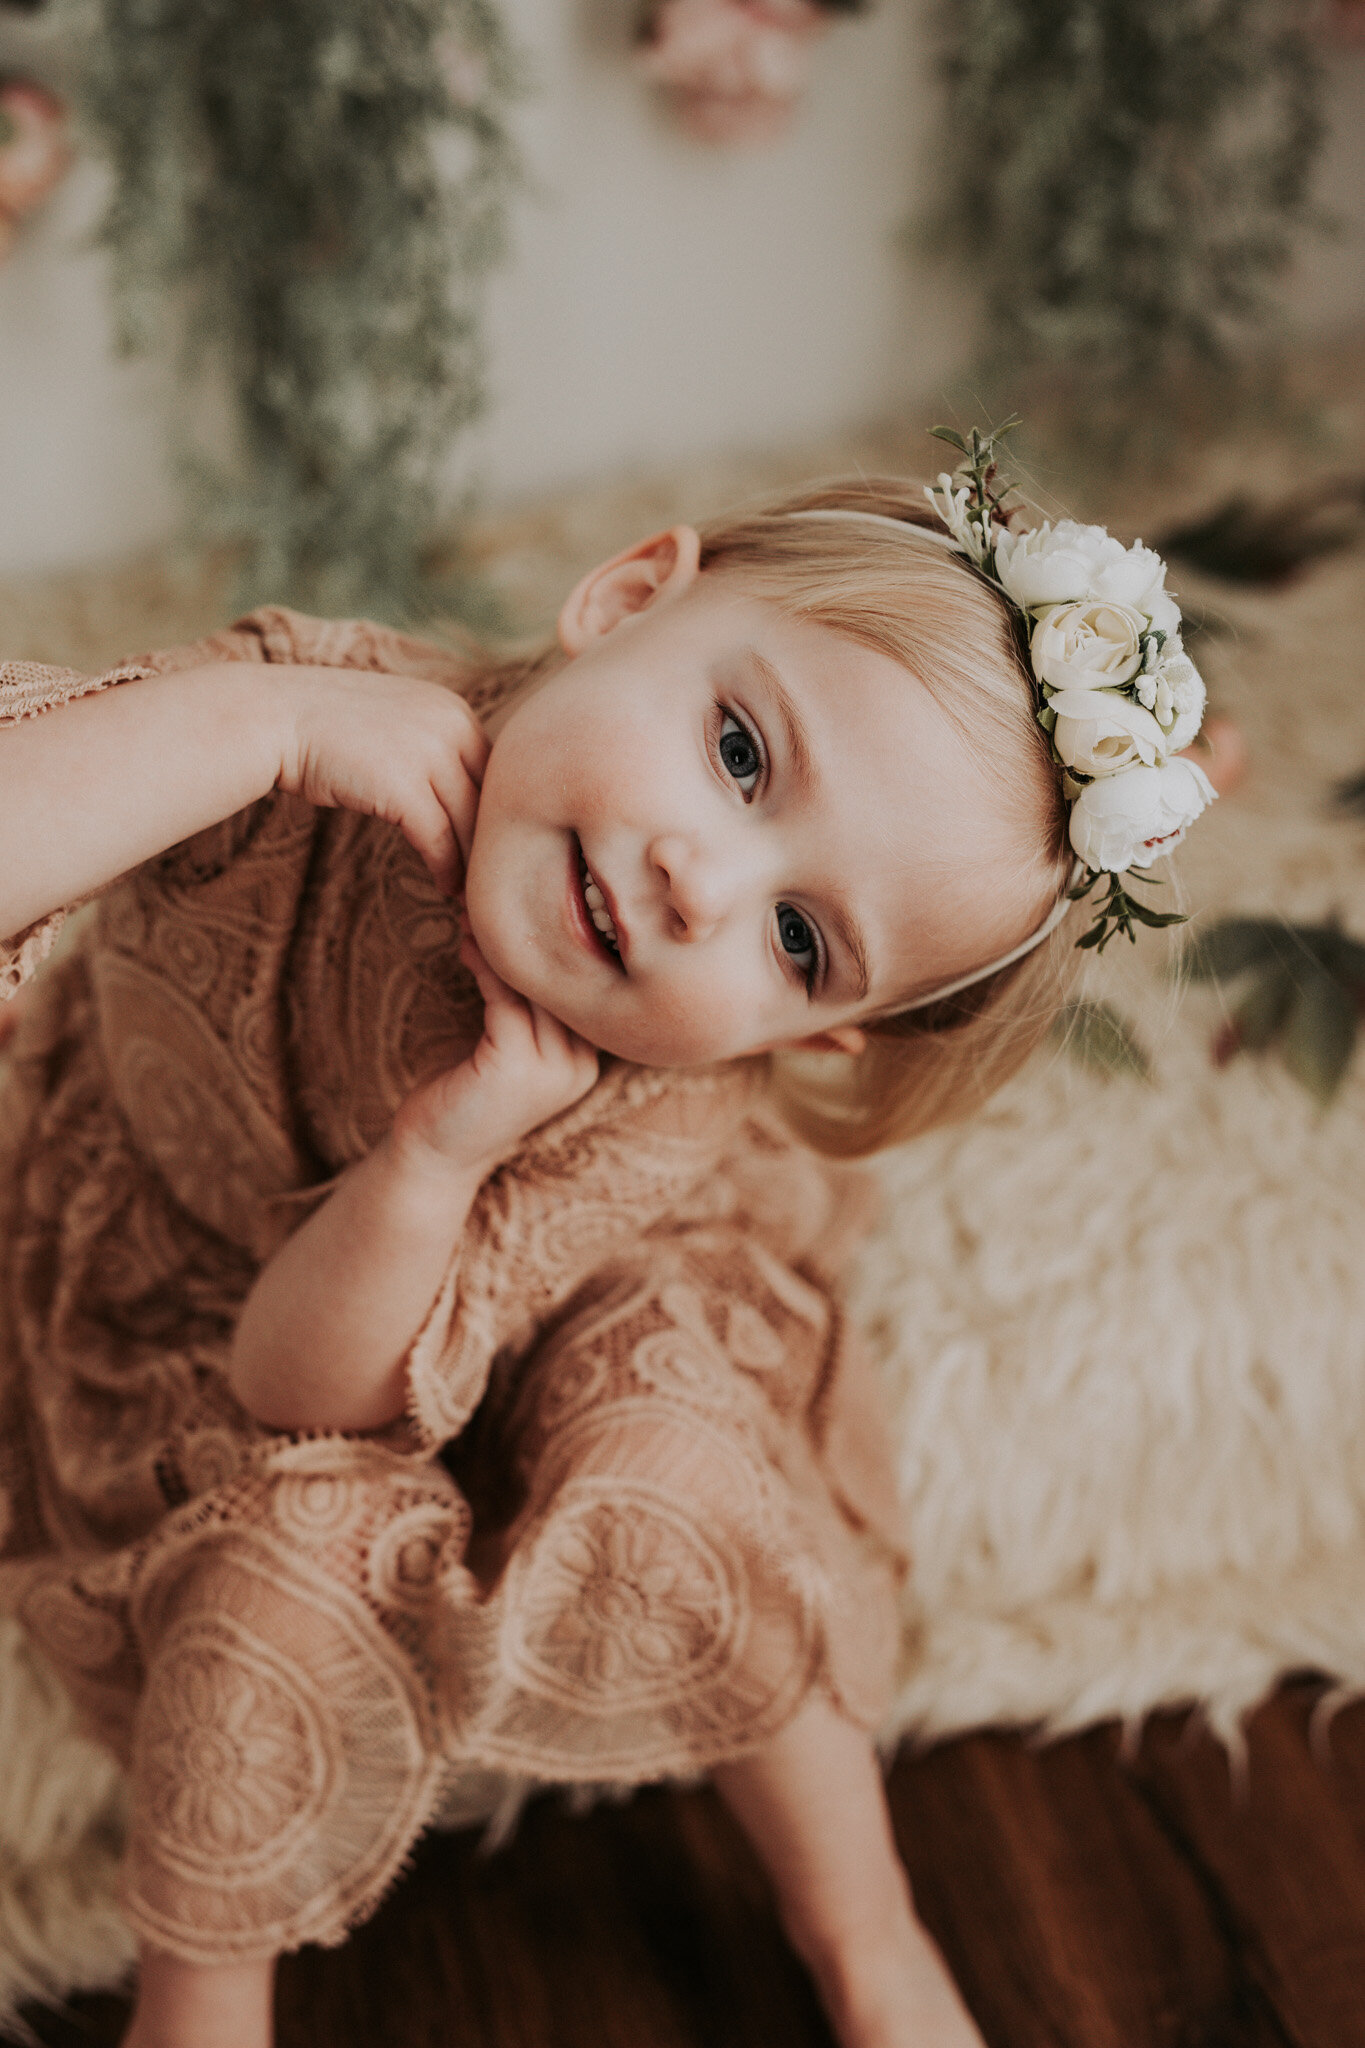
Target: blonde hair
956 632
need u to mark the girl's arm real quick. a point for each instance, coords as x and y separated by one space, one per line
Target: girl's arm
323 1337
94 787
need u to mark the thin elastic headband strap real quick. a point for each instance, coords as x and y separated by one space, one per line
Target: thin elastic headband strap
904 527
909 531
1044 931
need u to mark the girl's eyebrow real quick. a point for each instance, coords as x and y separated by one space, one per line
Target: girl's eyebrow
798 744
841 916
851 934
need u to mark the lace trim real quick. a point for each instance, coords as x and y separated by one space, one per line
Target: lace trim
27 689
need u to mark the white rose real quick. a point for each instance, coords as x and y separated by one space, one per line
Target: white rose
1053 564
1079 646
1132 819
1163 611
1100 732
1136 577
1065 563
1179 700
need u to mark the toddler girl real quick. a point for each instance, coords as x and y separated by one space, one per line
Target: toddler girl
422 1354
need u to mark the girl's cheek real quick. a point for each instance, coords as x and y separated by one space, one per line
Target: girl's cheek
711 1020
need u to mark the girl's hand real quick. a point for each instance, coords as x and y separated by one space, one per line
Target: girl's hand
396 747
525 1069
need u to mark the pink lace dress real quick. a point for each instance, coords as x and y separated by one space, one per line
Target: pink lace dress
640 1505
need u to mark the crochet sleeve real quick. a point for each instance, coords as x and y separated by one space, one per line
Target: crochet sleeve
27 689
272 634
582 1191
278 637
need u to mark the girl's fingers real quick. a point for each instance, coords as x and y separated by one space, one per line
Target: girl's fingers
495 992
440 824
503 1008
427 827
458 795
553 1037
475 747
549 1034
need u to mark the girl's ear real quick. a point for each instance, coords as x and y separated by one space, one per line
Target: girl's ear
845 1038
663 566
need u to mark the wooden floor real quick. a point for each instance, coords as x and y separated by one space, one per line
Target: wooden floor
1082 1901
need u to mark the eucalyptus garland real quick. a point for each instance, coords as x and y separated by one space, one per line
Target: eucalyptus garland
281 196
1129 180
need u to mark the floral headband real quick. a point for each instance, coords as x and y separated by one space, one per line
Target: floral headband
1115 691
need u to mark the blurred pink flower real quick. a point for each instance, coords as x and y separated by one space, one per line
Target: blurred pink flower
1346 20
464 71
33 146
734 69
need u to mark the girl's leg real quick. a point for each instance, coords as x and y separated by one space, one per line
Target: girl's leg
812 1803
197 2005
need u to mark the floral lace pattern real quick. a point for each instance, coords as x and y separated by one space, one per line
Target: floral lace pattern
640 1505
235 1757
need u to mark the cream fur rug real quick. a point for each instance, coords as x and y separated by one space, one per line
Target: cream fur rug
1123 1325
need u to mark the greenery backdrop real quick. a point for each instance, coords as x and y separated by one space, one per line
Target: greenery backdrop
281 187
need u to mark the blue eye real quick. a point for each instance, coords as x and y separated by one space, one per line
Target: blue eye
798 939
739 753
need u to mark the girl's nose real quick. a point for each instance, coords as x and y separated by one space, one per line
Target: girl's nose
698 886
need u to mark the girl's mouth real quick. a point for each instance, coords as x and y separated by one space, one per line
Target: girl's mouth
594 905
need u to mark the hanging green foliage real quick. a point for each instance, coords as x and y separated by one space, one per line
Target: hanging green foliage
311 191
1129 179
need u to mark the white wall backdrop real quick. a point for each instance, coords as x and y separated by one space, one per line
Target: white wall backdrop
667 297
661 298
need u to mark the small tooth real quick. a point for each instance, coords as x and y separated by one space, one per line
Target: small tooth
603 922
594 896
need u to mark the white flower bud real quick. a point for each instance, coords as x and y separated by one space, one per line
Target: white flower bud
1180 700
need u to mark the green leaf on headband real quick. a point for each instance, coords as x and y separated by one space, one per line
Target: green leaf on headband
1118 911
1100 1038
950 435
1157 919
